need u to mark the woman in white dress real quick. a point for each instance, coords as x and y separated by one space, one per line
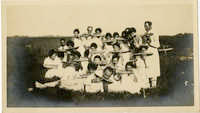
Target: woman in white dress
78 41
153 61
54 73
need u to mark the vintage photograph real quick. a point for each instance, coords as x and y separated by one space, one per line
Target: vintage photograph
100 54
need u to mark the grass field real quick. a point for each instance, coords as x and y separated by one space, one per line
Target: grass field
25 56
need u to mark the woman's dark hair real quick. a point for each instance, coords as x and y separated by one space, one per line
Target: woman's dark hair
133 29
148 22
123 34
76 30
97 56
92 66
93 45
89 27
115 34
51 52
133 65
98 29
70 43
108 35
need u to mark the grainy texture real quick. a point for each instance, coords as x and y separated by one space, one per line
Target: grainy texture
25 56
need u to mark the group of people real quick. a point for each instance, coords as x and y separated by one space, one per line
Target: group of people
93 62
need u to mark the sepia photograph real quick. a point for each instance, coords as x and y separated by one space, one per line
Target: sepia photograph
82 54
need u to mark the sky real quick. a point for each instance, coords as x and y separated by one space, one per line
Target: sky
42 18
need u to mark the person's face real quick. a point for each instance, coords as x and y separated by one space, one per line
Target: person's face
108 73
76 34
93 48
53 56
115 61
62 42
147 27
116 36
108 37
89 29
97 60
70 46
98 32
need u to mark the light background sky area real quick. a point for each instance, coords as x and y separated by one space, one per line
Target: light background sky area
41 18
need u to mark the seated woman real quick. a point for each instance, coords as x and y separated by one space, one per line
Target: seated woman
72 79
93 83
53 74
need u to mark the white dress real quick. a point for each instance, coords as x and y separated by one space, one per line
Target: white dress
126 56
79 42
54 67
129 84
153 61
142 73
115 86
71 79
92 87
